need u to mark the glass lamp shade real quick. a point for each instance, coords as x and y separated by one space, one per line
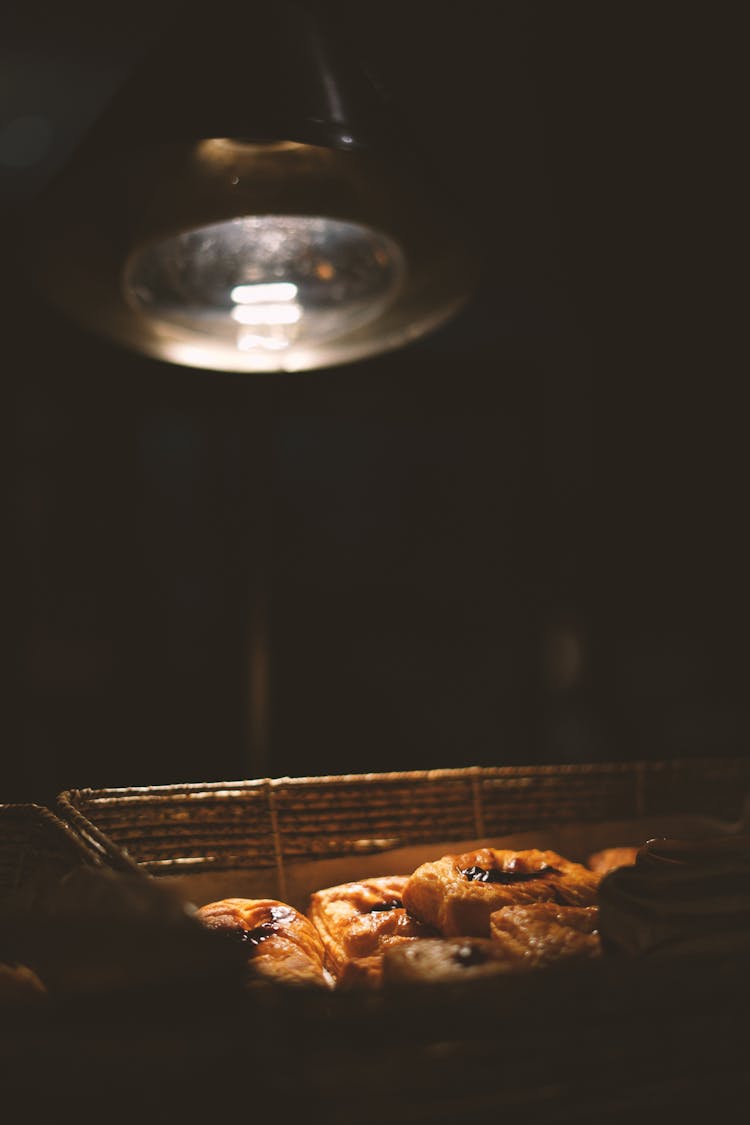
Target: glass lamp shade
265 292
240 256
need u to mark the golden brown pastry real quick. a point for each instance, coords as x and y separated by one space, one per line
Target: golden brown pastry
359 921
282 944
545 932
443 959
457 893
609 859
365 972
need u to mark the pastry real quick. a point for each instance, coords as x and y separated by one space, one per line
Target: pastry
359 921
611 858
457 893
688 896
545 932
443 959
365 972
281 943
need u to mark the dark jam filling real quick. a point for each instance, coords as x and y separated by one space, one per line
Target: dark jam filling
393 904
252 937
497 875
468 955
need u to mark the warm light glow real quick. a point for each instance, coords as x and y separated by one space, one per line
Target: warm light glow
229 148
266 314
356 244
254 294
298 282
247 342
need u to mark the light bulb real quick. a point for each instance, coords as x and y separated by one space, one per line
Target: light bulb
296 281
232 255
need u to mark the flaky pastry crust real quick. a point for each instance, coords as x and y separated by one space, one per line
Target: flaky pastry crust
359 921
457 894
531 937
281 943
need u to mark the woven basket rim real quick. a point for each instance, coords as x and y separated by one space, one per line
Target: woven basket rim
33 836
217 788
278 823
30 812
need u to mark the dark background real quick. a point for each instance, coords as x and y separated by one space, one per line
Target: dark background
519 540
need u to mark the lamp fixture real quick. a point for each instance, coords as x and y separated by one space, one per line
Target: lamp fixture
249 203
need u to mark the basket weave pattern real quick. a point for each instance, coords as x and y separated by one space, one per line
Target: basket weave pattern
271 822
36 848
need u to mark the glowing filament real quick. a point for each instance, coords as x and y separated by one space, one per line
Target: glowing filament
255 294
266 314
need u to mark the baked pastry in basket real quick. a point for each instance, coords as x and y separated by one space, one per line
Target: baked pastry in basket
682 896
281 943
544 933
357 922
443 959
457 894
609 859
365 972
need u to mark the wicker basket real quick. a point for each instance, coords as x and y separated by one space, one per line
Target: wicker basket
37 849
38 852
269 825
617 1040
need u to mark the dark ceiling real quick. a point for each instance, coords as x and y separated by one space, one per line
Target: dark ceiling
561 470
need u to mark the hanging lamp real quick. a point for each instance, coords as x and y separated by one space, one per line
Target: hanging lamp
250 202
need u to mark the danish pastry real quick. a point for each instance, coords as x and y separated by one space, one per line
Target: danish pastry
359 921
365 972
689 896
457 894
443 959
281 943
545 932
609 859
